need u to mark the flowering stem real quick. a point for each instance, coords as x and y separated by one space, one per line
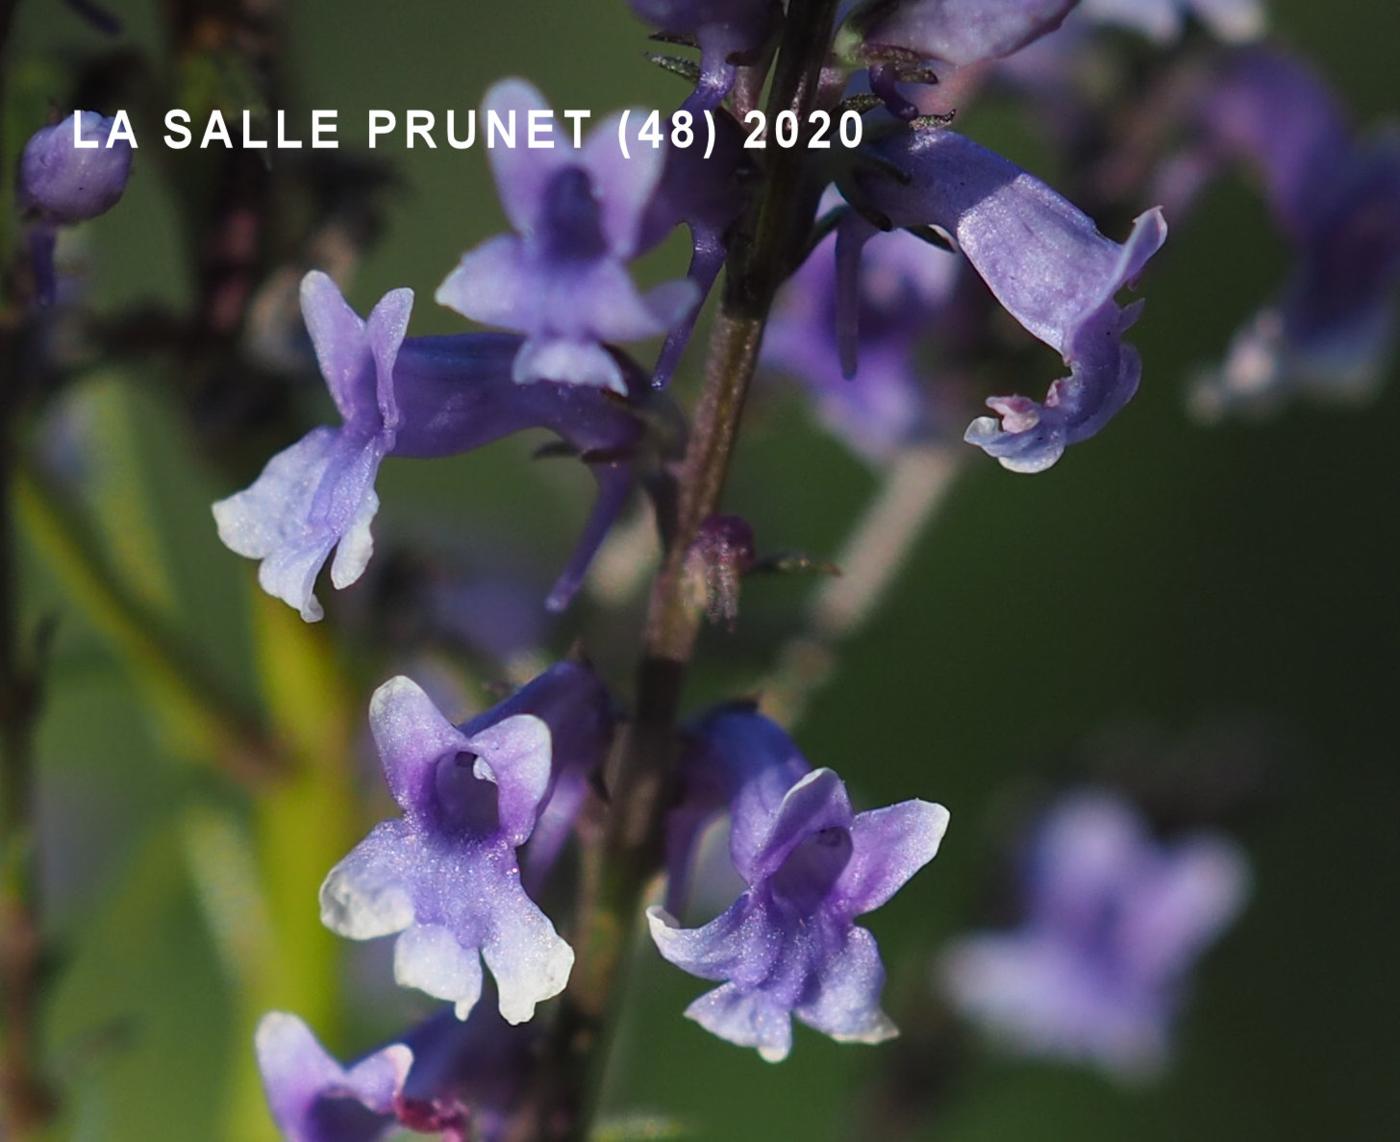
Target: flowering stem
764 245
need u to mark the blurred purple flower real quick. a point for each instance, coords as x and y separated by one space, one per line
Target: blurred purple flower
789 946
59 184
1337 199
905 293
423 397
1042 258
1113 923
458 1079
562 279
313 1098
445 875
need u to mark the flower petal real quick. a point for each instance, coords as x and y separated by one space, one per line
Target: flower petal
529 959
962 32
847 1003
412 736
888 847
515 754
313 1098
747 1019
341 343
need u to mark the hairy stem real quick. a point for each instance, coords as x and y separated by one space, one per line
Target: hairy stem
764 245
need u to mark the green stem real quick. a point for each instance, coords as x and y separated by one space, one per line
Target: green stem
55 526
765 244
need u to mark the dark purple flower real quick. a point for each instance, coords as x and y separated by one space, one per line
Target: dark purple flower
562 279
1113 923
1337 199
962 32
1042 258
444 876
789 946
422 397
722 29
313 1098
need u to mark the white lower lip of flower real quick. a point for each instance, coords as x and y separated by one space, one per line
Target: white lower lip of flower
358 915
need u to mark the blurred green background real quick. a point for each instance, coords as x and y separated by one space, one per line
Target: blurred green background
1161 582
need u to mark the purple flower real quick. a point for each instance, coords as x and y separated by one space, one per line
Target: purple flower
445 875
60 184
962 32
905 293
63 184
1113 922
722 29
319 493
562 280
1337 199
458 1079
789 946
313 1098
422 397
1042 258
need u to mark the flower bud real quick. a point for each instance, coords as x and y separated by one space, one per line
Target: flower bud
63 184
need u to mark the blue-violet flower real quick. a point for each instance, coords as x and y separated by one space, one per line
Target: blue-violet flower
562 279
445 876
1336 198
789 946
61 184
1113 923
1042 258
421 397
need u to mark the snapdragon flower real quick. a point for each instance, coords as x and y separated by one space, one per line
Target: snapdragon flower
1336 198
562 279
1042 258
59 184
789 946
445 877
1113 922
420 397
